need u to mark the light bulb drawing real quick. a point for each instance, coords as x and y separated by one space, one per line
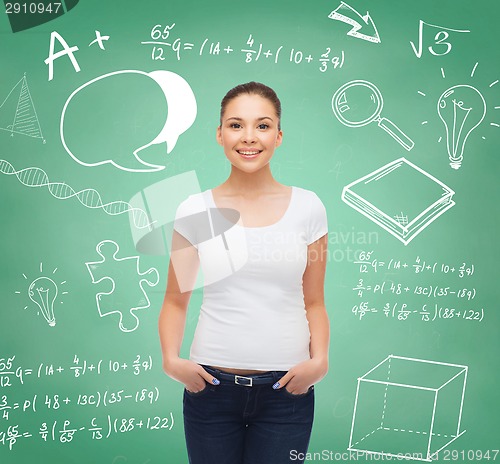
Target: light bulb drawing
461 108
43 292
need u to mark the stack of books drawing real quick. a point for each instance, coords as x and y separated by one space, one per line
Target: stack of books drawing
399 197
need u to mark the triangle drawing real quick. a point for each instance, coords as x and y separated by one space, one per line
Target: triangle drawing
18 113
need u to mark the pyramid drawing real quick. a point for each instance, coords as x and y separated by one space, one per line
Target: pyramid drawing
18 113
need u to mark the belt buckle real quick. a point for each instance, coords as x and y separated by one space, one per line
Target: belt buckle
245 381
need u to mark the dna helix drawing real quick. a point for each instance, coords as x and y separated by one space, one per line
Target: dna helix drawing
90 198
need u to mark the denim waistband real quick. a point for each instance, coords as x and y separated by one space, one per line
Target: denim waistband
248 380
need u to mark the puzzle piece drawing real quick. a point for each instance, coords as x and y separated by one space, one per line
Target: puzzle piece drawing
120 272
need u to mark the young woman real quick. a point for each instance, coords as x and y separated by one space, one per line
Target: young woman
262 337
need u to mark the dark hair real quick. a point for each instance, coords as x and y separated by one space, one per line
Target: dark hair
253 88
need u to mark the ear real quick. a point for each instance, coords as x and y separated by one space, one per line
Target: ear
218 135
279 139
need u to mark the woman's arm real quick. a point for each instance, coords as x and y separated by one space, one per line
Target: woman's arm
182 272
314 299
299 378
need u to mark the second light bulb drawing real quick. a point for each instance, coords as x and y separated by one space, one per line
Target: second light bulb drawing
461 108
43 291
46 293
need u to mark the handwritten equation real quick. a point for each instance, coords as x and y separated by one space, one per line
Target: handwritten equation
368 263
65 413
9 372
448 301
397 288
402 311
164 44
63 431
95 399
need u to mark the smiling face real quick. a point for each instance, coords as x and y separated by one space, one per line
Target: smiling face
249 132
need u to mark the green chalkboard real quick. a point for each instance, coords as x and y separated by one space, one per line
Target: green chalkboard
107 121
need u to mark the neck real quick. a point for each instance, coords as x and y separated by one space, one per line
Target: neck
241 182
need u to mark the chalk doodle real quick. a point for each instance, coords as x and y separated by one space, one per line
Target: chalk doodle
349 15
359 103
43 291
461 108
99 40
385 197
18 114
440 39
177 94
120 272
90 198
407 404
66 51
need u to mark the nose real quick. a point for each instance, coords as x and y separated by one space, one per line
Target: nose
249 135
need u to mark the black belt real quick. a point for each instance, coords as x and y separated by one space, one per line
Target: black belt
249 380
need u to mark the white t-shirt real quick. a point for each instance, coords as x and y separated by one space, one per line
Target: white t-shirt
253 314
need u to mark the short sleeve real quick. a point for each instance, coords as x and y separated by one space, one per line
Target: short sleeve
318 223
186 219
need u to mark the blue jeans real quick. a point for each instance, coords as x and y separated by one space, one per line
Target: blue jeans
238 424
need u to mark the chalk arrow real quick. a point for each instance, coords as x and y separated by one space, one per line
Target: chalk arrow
350 16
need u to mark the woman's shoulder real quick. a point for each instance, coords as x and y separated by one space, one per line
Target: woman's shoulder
307 200
194 203
315 216
306 195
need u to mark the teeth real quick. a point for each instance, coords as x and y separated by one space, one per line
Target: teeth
248 152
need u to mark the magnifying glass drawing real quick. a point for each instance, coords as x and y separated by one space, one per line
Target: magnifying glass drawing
359 103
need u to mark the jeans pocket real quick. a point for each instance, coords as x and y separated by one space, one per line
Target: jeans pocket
301 395
198 393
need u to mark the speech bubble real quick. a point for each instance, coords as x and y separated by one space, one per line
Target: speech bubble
181 107
119 114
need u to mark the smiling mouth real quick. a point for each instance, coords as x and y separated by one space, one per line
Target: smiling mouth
249 153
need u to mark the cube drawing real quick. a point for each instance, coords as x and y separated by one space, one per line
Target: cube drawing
407 406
